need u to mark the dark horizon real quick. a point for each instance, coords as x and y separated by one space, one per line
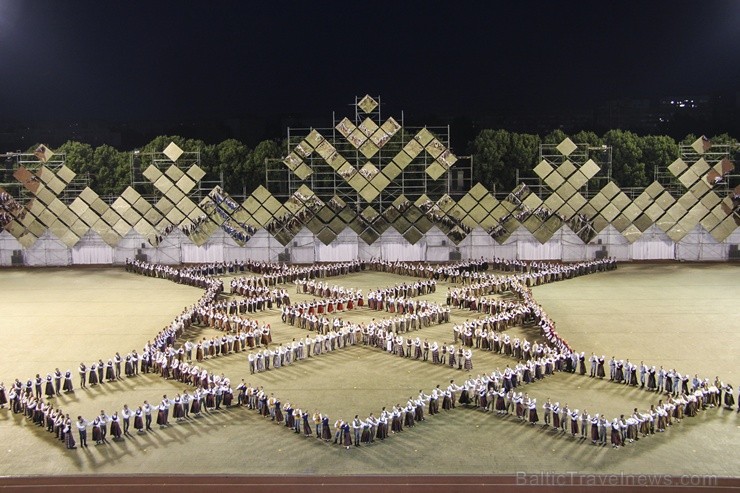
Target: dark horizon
84 61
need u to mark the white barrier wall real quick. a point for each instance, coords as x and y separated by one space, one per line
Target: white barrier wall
176 248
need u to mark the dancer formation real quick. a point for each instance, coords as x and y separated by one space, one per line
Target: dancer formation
478 317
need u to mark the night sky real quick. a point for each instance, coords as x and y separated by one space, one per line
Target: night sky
135 60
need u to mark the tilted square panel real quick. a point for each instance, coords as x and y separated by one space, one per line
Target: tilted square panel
654 189
56 185
599 201
174 173
599 223
566 169
173 152
554 180
292 161
347 171
368 127
325 149
435 148
553 202
391 126
489 202
303 171
46 217
424 136
153 216
565 191
665 200
369 193
152 173
314 138
677 167
368 149
447 158
186 205
676 211
110 217
356 138
57 207
336 161
174 194
261 194
590 168
478 191
401 224
643 201
89 216
326 236
345 127
566 147
543 169
688 178
566 211
701 145
303 149
142 205
88 195
185 184
413 148
402 159
391 171
45 174
369 236
163 184
577 180
380 182
412 235
196 173
175 216
631 212
435 170
44 195
710 200
379 138
688 200
367 103
654 212
700 167
164 205
533 201
632 233
577 201
621 222
710 221
357 181
724 229
609 212
65 174
620 200
610 190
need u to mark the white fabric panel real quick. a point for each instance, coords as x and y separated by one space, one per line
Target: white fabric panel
367 252
394 247
8 244
336 252
302 250
574 250
128 247
653 245
92 250
209 252
48 250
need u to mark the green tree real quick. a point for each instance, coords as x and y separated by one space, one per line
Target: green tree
658 151
78 156
555 137
628 170
489 149
110 170
232 156
522 155
255 169
587 137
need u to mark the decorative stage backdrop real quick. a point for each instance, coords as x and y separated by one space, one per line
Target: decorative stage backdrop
367 187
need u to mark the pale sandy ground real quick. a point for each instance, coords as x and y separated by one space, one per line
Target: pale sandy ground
678 315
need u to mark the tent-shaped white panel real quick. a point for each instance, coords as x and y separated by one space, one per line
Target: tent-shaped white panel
438 246
211 251
48 250
302 250
529 248
343 249
654 244
394 247
8 246
92 250
616 245
129 247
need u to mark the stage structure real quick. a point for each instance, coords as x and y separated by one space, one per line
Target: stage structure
368 186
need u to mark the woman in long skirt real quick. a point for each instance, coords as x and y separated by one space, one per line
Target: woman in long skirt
278 412
97 433
138 420
115 426
195 405
49 387
468 365
93 379
616 436
3 396
69 439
